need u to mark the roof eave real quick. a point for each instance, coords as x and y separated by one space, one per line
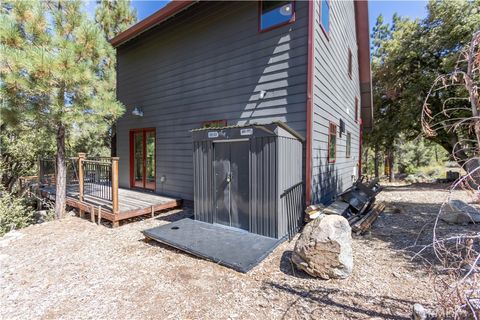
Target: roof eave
151 21
365 72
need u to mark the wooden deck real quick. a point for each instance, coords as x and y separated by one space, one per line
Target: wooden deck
131 203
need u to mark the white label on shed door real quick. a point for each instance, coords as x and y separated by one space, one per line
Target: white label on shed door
246 132
213 134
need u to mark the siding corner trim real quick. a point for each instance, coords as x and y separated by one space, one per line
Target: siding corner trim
309 106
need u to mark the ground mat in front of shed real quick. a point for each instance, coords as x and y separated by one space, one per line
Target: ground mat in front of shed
236 249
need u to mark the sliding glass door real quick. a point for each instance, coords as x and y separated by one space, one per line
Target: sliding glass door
142 158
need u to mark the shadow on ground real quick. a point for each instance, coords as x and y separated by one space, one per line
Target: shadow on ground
348 302
171 216
408 220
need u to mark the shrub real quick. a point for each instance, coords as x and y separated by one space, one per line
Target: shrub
14 213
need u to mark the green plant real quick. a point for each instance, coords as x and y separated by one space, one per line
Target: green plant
14 213
57 74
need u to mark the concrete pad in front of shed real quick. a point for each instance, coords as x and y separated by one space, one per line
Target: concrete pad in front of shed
233 248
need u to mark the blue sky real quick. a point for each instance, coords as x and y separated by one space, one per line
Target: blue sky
406 8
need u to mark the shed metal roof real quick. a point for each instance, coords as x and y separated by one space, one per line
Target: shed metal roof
281 124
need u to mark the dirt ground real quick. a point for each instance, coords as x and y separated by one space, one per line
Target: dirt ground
74 269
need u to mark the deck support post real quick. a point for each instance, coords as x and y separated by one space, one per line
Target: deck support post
99 214
153 211
40 171
92 213
81 158
39 195
115 185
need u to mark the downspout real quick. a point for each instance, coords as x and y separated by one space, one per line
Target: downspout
308 152
365 78
360 139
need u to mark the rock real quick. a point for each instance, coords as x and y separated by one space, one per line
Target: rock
411 178
421 175
433 173
324 249
40 216
313 211
459 212
420 313
400 176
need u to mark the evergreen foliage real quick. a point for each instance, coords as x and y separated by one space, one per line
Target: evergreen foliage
113 17
406 58
57 75
14 213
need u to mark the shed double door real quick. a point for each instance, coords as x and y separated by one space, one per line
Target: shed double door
231 183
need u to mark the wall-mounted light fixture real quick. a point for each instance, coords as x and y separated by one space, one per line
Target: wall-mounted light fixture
137 112
262 94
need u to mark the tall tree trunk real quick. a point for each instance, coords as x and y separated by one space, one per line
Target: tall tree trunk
376 162
390 166
364 169
113 140
61 177
386 165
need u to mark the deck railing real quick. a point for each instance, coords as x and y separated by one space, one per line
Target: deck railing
95 177
293 200
47 171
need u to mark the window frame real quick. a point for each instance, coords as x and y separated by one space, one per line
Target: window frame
348 145
131 135
259 18
215 124
327 33
332 131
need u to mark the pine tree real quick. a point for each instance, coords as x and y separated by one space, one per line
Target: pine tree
113 17
55 74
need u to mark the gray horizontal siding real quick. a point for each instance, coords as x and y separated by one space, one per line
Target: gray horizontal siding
208 63
334 99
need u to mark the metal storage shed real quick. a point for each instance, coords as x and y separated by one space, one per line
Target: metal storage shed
249 177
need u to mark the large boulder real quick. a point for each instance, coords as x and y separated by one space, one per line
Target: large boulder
324 249
459 212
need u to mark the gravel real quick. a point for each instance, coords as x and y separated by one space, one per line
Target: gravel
74 269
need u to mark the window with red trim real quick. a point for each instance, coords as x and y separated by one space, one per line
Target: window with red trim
214 124
275 13
350 63
356 109
332 142
325 15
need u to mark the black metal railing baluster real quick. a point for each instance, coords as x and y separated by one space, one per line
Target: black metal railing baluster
98 179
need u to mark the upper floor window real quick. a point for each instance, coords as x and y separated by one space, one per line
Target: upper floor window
325 15
276 13
348 145
332 142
